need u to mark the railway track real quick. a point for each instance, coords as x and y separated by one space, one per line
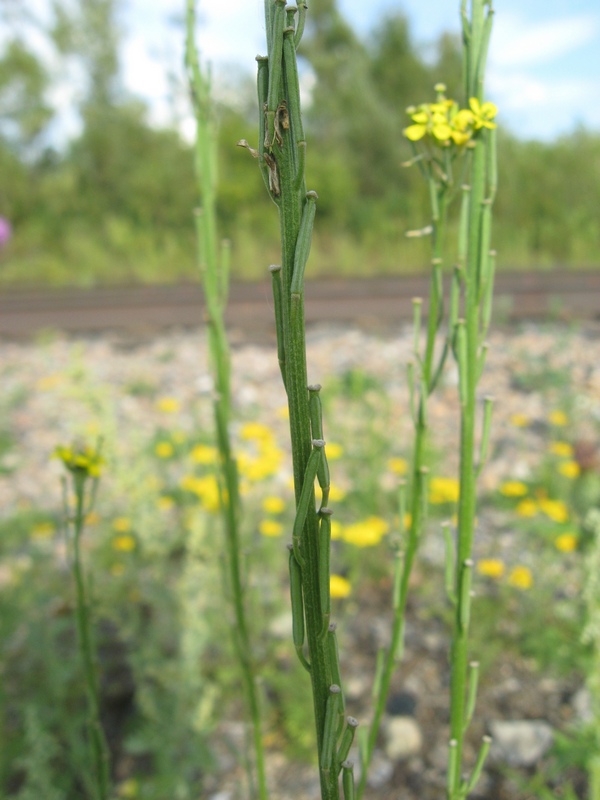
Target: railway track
376 302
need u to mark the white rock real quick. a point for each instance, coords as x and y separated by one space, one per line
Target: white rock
520 743
403 738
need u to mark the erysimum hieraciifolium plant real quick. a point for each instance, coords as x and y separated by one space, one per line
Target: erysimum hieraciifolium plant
281 156
214 270
83 465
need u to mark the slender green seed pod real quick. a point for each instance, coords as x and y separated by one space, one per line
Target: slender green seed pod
424 489
346 740
463 226
484 245
316 427
348 780
492 163
302 9
453 768
330 727
486 743
306 493
292 85
483 51
275 70
417 304
449 563
262 84
401 507
301 153
275 270
290 14
488 404
269 22
324 553
472 695
303 243
461 357
438 289
410 374
466 580
488 297
297 607
333 654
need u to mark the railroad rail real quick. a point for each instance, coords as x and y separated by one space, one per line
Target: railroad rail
373 302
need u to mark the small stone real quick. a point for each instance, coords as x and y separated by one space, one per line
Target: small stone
403 738
582 705
520 743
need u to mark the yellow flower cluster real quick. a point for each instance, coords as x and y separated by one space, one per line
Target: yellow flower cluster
444 123
443 490
366 533
268 458
206 488
520 576
80 460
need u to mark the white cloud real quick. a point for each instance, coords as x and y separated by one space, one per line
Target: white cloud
518 42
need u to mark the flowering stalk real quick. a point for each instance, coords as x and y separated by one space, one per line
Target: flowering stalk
83 465
281 157
214 267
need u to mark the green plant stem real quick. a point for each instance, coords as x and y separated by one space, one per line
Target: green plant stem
99 748
214 273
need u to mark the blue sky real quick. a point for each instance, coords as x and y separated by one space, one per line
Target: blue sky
544 69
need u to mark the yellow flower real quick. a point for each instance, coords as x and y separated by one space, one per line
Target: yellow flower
168 405
334 451
566 542
339 587
255 430
555 509
43 530
443 490
206 488
527 508
491 567
269 527
337 529
165 503
513 489
164 449
519 420
273 505
483 113
122 524
117 569
81 460
398 465
521 578
561 449
570 469
558 418
124 543
366 533
204 454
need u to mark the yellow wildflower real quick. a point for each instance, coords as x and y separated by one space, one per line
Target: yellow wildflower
566 542
491 567
339 587
561 449
337 529
168 405
443 490
334 451
570 469
255 430
513 489
558 418
122 524
269 527
519 420
366 533
483 113
273 505
206 488
398 465
84 460
164 449
555 509
124 543
521 578
204 454
527 508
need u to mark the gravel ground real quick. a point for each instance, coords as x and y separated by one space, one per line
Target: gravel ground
530 371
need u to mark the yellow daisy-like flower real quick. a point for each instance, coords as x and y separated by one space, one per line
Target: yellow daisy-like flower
333 451
164 449
273 505
558 418
168 405
555 509
339 587
561 449
366 533
84 461
124 543
566 542
271 528
398 465
570 469
491 568
122 524
483 113
443 490
519 420
521 578
204 454
527 508
513 489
